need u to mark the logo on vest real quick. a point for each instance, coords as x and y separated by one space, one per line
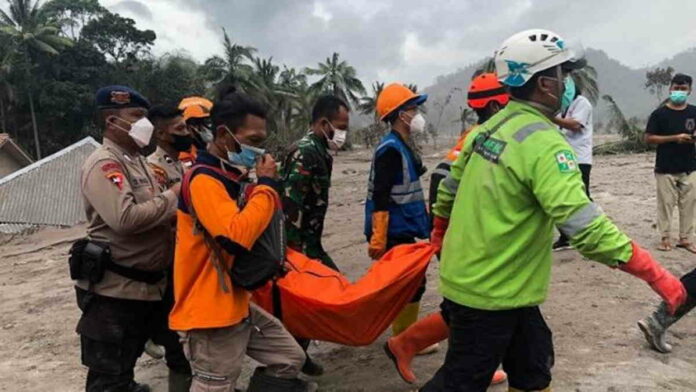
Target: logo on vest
690 124
490 148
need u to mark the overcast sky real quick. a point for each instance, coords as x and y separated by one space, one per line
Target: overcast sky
411 40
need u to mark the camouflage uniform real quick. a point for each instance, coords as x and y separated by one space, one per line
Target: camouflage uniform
307 178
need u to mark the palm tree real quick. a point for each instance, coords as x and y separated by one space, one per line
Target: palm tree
337 78
235 67
586 79
630 130
32 35
368 104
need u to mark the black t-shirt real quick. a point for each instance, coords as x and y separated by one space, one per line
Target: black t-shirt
674 157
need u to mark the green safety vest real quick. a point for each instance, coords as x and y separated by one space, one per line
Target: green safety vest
516 179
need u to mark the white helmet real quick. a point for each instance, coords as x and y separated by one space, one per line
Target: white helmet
532 51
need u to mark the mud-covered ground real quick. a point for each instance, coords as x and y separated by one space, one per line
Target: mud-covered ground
591 309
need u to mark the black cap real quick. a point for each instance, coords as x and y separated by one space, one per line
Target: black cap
119 97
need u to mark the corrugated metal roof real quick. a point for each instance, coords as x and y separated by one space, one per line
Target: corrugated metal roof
14 149
14 228
47 192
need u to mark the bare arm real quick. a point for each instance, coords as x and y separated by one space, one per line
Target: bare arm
681 138
568 123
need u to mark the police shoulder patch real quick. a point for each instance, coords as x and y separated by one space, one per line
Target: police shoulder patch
566 161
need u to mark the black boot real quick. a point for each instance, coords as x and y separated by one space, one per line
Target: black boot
312 368
179 382
261 382
655 326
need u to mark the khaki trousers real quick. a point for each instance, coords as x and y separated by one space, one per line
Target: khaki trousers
216 354
676 189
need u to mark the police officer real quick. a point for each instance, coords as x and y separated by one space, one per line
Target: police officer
121 279
172 137
306 176
516 179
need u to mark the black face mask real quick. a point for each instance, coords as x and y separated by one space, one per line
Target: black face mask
182 143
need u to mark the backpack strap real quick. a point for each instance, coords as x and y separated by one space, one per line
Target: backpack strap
198 227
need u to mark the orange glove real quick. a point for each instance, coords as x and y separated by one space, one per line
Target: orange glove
439 228
378 240
643 266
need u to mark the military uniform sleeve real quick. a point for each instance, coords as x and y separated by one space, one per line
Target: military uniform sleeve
297 185
555 180
235 229
108 191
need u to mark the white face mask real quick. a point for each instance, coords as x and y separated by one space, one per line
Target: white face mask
140 131
417 123
339 138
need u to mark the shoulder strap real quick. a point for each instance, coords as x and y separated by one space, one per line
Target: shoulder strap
207 237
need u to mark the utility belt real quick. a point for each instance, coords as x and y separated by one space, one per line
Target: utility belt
89 260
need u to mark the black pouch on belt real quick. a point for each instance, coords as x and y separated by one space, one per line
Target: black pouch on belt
88 260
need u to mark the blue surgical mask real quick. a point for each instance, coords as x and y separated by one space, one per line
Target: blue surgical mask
678 97
246 156
568 93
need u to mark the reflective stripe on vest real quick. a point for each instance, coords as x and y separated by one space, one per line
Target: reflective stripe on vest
580 220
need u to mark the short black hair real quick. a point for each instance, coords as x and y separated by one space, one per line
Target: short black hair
231 108
163 112
525 91
681 78
327 106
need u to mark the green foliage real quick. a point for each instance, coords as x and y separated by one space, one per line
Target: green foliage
337 78
632 135
657 80
71 48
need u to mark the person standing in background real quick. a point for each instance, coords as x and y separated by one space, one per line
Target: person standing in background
671 127
576 124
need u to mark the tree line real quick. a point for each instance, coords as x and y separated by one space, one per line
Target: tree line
54 55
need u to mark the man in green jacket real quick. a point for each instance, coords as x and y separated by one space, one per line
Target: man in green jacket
522 177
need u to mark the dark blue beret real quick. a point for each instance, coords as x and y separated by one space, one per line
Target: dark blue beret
118 97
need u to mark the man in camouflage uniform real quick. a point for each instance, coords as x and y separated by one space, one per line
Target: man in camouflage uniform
307 177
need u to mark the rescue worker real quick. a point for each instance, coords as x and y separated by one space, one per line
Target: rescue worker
197 116
487 96
523 178
217 322
172 137
121 266
395 211
306 175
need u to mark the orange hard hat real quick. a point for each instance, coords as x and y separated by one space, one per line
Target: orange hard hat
485 88
195 107
395 96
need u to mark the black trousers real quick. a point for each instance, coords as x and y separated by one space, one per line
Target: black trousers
480 340
585 172
113 333
689 282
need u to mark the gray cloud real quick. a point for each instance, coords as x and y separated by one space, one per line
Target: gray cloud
416 40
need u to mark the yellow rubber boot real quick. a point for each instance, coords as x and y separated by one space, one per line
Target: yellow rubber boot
407 316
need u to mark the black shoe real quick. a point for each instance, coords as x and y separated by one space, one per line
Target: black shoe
560 245
312 368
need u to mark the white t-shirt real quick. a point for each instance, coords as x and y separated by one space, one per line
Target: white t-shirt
581 110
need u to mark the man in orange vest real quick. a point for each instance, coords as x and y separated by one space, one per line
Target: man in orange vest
212 312
486 96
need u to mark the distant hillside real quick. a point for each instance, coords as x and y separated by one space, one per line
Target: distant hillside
625 84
